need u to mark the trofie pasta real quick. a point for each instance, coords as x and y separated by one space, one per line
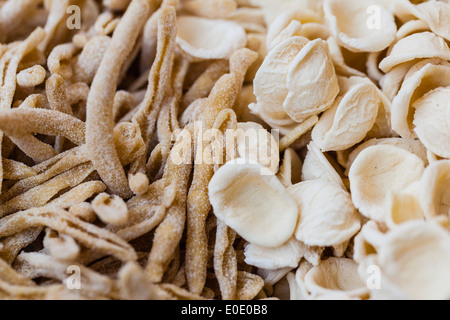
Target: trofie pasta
224 149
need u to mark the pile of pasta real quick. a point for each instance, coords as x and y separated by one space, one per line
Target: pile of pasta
94 115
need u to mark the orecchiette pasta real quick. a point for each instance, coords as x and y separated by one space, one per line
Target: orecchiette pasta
209 39
431 121
232 189
327 215
351 117
415 248
379 171
353 29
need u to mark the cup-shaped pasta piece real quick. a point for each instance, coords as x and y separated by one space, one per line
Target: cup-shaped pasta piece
270 83
297 80
257 207
350 118
257 144
209 39
392 81
281 23
411 145
318 166
404 207
434 190
311 81
415 258
379 171
327 214
432 121
416 46
437 15
286 256
210 9
415 86
382 127
411 27
336 277
360 26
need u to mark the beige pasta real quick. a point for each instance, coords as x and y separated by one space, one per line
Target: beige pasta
351 26
341 127
379 171
327 215
199 37
232 187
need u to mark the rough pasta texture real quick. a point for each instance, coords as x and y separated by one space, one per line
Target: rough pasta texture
224 149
